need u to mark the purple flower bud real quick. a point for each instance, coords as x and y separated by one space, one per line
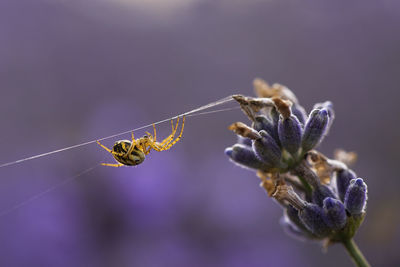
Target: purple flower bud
267 150
355 199
300 113
293 215
312 217
262 123
329 107
289 130
335 213
315 129
244 141
245 157
320 193
343 178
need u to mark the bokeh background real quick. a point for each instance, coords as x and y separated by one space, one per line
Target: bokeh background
74 71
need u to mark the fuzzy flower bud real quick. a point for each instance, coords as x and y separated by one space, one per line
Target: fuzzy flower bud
267 150
343 179
289 130
293 215
245 156
312 217
355 199
335 213
329 107
320 193
263 123
315 129
300 113
244 141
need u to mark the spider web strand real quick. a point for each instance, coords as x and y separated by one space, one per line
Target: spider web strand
190 113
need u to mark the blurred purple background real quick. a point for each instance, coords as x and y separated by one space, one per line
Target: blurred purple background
74 71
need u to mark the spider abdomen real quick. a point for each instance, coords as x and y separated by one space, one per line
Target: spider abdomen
135 157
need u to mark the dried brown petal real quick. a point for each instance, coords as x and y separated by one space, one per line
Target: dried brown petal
255 104
244 105
243 130
285 92
267 182
284 192
263 89
283 106
323 166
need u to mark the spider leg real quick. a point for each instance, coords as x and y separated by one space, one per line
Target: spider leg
145 144
169 138
167 141
169 145
155 147
147 139
109 150
133 137
146 152
155 133
133 144
113 165
103 146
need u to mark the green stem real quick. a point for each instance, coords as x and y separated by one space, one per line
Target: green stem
355 253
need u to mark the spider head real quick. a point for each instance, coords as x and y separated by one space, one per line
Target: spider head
133 158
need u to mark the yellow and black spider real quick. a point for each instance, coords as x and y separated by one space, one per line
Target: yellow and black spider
131 153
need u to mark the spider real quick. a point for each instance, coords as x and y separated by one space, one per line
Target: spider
131 153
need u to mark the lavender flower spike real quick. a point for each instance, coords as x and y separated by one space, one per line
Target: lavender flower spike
315 129
321 197
355 199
